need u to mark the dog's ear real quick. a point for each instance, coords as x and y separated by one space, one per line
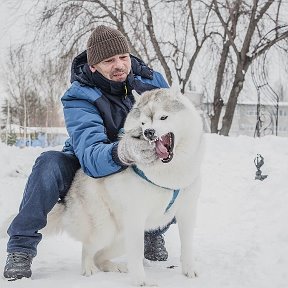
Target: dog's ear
136 95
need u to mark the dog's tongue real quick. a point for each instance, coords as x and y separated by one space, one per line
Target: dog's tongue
161 150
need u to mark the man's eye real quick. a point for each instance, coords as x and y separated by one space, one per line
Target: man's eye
163 117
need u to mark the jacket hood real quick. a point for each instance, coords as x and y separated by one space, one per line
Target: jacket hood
80 70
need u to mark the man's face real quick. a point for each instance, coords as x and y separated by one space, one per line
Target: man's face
115 68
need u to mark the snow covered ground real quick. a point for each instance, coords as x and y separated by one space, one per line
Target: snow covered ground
241 239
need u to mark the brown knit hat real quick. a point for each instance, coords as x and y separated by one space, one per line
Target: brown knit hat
105 42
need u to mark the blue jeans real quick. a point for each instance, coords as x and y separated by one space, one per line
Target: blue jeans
50 180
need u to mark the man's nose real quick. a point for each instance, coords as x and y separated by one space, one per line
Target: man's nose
118 63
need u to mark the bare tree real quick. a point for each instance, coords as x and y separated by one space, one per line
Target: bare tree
18 87
50 85
33 92
245 26
168 35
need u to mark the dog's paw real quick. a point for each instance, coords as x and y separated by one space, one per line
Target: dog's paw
108 266
89 270
189 271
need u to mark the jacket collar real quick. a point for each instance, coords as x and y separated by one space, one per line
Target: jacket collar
96 79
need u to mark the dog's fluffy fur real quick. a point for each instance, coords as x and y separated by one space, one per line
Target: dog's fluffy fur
109 215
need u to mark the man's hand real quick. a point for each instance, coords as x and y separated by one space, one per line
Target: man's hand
136 150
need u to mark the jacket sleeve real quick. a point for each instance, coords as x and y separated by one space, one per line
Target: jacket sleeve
88 138
159 79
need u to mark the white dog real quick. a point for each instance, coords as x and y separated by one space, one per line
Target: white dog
109 215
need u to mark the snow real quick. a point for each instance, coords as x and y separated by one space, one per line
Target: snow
241 238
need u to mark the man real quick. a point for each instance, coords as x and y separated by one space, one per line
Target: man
95 108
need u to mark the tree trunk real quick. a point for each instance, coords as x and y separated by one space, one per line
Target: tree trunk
155 43
229 113
232 100
218 101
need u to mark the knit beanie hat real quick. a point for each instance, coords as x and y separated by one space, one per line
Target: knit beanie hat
105 42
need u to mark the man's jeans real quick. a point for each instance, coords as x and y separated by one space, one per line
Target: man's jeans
50 180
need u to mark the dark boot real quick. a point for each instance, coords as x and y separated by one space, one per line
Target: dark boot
154 247
18 265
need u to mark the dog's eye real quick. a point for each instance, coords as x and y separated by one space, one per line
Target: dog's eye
163 117
143 123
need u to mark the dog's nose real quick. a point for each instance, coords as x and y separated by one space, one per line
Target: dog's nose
150 134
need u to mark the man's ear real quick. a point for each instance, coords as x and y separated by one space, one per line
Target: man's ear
136 95
92 68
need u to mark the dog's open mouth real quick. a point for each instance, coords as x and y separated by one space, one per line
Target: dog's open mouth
164 147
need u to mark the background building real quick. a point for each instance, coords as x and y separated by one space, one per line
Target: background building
272 120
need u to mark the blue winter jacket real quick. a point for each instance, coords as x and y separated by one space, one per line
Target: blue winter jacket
95 109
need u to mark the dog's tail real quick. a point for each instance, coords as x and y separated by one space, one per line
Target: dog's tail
54 220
